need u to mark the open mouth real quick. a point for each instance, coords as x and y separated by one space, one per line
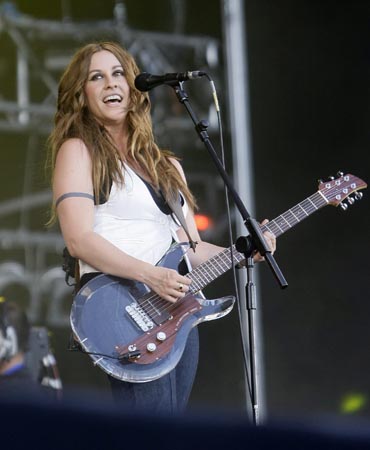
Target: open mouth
114 98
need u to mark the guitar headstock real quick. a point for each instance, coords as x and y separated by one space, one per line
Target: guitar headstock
335 190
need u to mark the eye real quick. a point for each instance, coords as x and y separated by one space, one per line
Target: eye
119 73
96 76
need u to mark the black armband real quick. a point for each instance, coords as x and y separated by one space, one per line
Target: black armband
73 194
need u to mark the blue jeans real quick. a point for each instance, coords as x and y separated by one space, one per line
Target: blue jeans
168 394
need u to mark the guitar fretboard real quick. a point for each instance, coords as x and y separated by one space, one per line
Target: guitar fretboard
289 218
216 266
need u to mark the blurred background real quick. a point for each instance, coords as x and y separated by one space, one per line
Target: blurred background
299 80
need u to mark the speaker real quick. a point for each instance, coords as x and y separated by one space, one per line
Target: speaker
40 361
8 335
38 349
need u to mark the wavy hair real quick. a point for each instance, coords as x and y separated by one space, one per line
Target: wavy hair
73 119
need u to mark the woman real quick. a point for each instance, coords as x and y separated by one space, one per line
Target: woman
103 156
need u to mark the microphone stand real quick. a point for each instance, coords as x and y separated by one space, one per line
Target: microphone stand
244 244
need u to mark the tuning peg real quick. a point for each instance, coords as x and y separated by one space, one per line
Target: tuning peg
351 200
320 180
340 174
331 178
344 206
358 195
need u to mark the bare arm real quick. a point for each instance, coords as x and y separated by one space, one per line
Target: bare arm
76 218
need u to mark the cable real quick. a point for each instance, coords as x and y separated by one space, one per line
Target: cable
74 346
230 232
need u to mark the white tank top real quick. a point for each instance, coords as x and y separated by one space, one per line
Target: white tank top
132 221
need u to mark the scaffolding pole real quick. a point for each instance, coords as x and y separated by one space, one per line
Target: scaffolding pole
236 67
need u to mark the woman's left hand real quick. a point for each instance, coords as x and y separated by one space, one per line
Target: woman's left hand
271 242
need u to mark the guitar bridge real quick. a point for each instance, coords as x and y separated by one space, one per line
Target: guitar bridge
140 317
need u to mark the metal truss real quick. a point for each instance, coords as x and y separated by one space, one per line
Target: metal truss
40 49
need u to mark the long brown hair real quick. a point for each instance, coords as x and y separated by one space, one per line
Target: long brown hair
74 120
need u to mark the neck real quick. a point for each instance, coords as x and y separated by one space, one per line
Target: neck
7 365
119 137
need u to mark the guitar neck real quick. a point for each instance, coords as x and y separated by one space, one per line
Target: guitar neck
216 266
290 218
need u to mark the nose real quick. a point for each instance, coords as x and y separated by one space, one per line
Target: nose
110 82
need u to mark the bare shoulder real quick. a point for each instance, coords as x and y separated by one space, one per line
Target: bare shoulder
72 169
74 149
178 166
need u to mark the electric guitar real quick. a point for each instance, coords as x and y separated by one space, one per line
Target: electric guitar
134 335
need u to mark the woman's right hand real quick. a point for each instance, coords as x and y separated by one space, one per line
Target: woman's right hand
168 283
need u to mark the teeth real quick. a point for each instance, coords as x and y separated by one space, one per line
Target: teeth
112 97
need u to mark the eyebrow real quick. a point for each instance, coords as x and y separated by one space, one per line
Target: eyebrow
99 70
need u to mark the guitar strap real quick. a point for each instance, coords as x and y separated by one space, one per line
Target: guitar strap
175 205
71 268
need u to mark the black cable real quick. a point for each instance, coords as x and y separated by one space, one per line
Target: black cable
74 346
231 239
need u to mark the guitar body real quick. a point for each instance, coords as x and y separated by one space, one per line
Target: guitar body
104 320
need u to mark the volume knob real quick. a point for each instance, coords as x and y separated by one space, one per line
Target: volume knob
151 347
161 336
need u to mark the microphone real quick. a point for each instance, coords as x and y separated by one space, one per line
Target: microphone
146 81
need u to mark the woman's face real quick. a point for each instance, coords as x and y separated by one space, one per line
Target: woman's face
107 91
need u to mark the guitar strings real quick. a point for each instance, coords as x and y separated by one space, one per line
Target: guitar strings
155 305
